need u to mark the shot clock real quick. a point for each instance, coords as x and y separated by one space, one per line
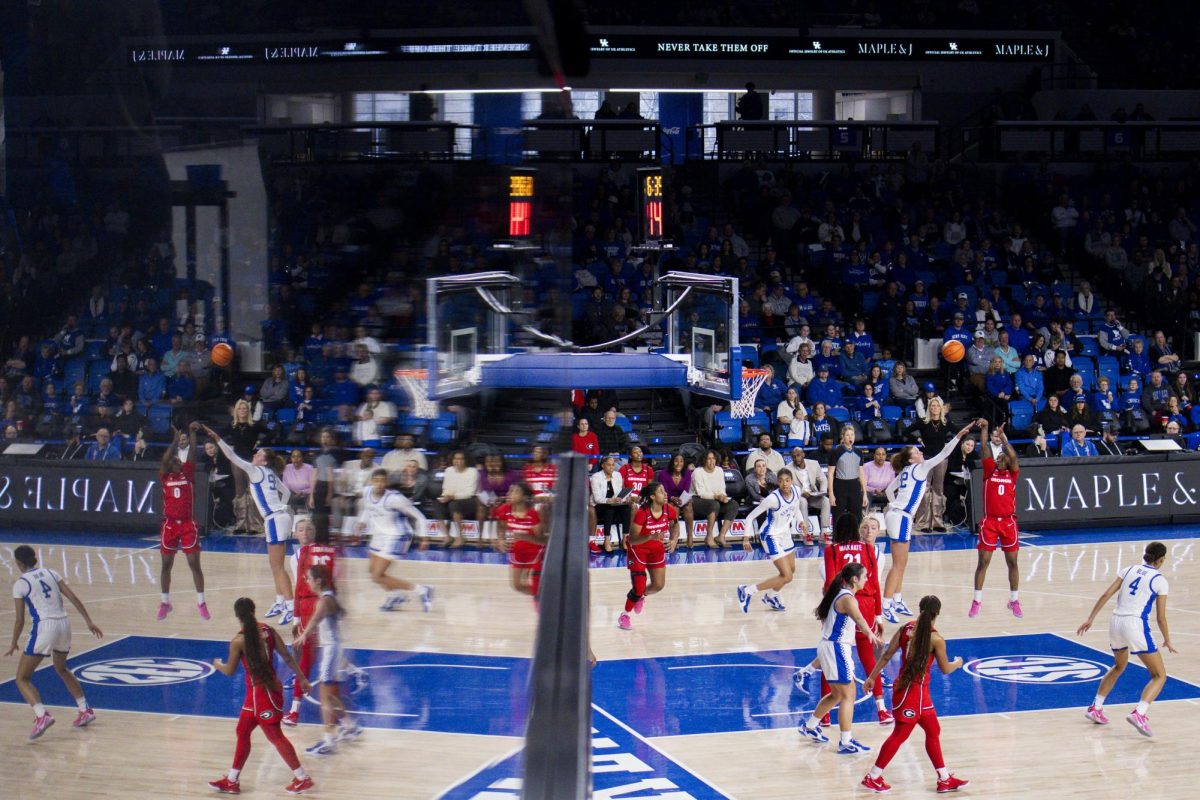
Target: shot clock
650 186
521 186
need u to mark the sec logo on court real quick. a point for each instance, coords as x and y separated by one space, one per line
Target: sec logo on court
1036 669
149 671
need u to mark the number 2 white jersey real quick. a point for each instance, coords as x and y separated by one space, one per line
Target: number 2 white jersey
39 589
910 484
1140 587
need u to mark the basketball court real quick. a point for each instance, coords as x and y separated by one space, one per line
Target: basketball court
697 701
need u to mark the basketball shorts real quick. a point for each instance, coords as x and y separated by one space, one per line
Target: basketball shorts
1133 633
911 703
998 532
648 555
277 527
49 636
391 544
776 545
836 662
265 704
898 526
331 668
179 535
524 555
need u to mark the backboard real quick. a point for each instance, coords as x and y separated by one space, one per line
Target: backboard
702 331
467 327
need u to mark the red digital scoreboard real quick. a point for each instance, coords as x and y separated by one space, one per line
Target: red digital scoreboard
521 187
650 186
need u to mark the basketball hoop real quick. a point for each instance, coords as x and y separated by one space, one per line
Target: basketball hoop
752 381
416 383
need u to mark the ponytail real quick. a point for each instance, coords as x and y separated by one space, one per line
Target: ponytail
839 582
916 660
846 530
648 493
901 459
260 669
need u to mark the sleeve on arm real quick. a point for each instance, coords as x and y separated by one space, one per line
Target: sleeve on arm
769 503
926 466
21 588
1158 585
235 459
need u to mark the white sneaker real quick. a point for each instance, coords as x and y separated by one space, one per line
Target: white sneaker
426 595
275 610
744 599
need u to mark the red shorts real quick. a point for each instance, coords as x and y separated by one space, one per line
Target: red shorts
525 555
179 534
866 607
266 705
648 555
911 703
998 532
304 608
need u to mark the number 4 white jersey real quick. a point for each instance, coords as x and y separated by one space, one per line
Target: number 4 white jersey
1140 587
39 589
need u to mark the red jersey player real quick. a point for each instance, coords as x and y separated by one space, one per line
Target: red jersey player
637 473
540 475
254 648
920 645
309 555
849 547
654 534
519 533
178 477
998 528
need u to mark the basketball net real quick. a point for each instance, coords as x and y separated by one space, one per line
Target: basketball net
752 381
416 383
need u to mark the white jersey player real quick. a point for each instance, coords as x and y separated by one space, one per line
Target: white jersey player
387 516
904 495
332 668
785 510
39 591
1140 589
271 497
840 618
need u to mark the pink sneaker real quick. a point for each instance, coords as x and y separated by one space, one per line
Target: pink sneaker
639 605
163 610
85 718
1139 721
203 609
975 606
1015 607
1096 715
40 726
623 623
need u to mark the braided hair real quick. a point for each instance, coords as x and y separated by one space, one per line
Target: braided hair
916 660
260 668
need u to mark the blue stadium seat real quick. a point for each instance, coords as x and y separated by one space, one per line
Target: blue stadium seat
892 413
840 413
1087 371
1196 415
94 378
1110 368
624 424
285 416
160 418
757 424
75 370
1089 346
1193 441
1021 412
729 429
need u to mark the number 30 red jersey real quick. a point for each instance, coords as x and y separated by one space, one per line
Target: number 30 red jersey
999 490
636 480
307 557
177 492
540 479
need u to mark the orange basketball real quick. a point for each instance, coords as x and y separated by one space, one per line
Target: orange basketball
222 354
953 351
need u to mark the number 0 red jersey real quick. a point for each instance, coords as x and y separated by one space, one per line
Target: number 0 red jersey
999 490
307 557
177 492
